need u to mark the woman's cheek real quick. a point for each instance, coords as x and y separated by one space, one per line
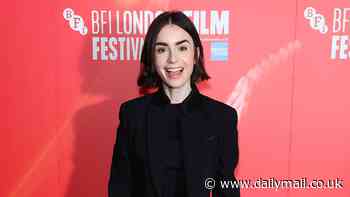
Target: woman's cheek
160 61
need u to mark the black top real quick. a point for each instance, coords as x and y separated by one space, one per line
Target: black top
173 165
142 120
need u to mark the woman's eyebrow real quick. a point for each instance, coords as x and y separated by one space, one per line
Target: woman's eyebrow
177 43
161 43
182 41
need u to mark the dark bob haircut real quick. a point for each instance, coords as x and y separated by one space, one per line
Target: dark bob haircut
148 76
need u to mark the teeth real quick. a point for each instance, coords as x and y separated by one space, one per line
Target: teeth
173 69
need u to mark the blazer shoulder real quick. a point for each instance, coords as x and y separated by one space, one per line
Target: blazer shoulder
219 106
136 104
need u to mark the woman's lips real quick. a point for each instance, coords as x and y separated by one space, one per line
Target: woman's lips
174 73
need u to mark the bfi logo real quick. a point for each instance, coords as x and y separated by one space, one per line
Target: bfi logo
316 20
76 22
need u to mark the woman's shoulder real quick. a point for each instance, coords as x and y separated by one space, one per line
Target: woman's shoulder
218 106
137 103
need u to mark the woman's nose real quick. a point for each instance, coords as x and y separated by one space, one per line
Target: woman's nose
172 57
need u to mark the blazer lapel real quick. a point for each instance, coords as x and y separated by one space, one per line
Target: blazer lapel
153 149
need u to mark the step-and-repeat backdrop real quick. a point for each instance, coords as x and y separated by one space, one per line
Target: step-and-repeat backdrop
68 65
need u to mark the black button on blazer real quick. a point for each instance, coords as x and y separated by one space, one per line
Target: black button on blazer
210 144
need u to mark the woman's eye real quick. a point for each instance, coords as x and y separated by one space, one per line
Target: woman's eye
160 50
183 48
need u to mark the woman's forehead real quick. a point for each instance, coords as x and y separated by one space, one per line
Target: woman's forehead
172 33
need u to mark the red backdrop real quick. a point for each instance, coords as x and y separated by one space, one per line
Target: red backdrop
272 60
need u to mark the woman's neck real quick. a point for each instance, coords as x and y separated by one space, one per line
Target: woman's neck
177 95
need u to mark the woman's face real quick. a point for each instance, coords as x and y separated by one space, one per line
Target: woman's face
174 56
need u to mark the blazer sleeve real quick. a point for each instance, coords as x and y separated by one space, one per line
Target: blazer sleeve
120 176
228 158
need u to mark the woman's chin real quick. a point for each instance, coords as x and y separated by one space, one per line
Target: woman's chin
175 83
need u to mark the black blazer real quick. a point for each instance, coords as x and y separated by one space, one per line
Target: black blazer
210 145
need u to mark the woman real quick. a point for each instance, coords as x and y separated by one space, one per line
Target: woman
170 142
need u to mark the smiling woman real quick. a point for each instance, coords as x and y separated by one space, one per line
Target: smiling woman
174 59
171 37
170 142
